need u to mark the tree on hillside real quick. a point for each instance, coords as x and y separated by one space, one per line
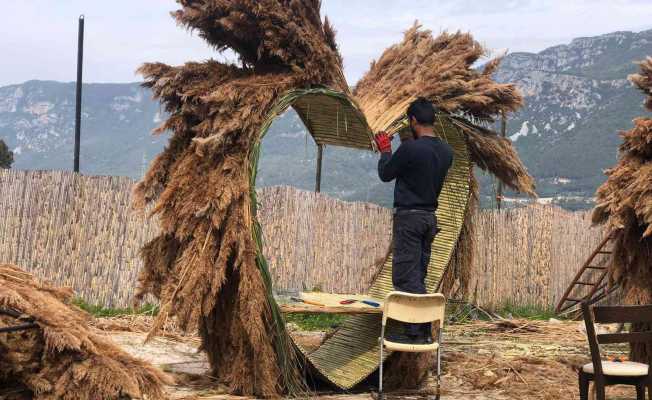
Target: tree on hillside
6 155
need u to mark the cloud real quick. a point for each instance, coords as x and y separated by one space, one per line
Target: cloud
39 36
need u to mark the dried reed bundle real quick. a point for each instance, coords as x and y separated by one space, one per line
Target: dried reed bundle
62 356
644 80
440 69
624 204
496 154
206 266
269 35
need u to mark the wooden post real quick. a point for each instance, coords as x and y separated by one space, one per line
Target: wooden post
503 129
78 98
320 153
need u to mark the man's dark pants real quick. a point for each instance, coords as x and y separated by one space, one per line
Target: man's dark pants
413 232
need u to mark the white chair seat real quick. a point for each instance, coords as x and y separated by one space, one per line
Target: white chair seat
410 348
625 368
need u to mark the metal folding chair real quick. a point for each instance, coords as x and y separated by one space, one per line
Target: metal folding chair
412 308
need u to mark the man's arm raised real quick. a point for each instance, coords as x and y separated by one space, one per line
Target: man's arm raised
389 164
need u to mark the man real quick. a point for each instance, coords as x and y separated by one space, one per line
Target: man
419 167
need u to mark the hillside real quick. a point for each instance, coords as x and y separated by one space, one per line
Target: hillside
577 99
37 122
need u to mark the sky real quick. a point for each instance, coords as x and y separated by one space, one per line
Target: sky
39 37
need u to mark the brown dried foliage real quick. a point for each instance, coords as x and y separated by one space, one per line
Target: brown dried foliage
624 204
516 378
441 69
644 80
269 35
62 358
203 265
496 154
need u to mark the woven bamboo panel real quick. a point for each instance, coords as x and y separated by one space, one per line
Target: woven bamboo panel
528 256
333 121
314 242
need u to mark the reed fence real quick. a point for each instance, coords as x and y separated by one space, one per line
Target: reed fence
80 231
73 230
313 241
529 255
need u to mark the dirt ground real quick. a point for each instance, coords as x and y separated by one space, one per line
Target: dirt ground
507 359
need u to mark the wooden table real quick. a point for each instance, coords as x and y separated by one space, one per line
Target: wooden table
329 303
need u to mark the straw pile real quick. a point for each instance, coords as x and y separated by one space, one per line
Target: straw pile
62 356
624 204
206 266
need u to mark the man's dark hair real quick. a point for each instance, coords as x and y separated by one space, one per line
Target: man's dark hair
422 110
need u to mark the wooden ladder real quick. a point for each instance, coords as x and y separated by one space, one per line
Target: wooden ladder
600 289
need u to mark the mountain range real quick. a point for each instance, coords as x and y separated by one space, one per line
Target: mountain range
577 99
37 123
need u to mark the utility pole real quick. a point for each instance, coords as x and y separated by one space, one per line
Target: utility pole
78 99
320 154
503 129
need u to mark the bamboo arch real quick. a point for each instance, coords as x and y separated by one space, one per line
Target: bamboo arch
331 117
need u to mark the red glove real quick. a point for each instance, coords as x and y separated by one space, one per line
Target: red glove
383 142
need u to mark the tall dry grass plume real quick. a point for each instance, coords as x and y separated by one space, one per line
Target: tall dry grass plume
624 204
204 267
62 358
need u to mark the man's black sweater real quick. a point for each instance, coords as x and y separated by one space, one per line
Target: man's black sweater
419 167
